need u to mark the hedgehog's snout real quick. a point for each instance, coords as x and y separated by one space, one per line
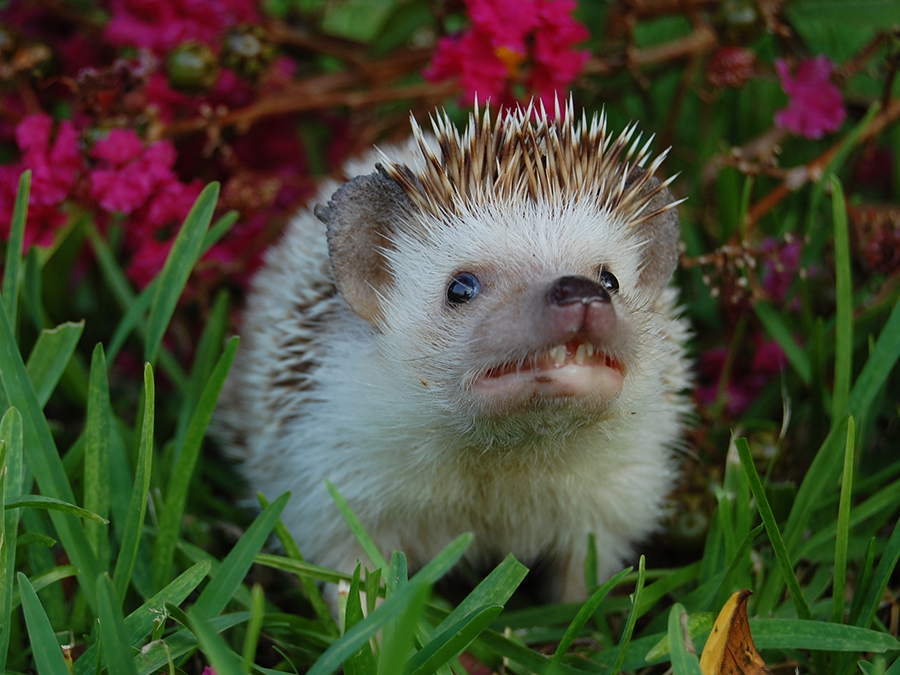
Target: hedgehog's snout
578 307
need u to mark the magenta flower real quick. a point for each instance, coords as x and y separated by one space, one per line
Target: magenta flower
815 105
55 164
127 174
530 42
160 25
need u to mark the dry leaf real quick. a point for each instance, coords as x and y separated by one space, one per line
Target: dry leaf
730 649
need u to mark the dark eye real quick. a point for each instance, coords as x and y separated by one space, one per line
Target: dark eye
463 287
608 281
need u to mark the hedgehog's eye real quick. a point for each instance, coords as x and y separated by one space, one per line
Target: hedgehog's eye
608 281
463 287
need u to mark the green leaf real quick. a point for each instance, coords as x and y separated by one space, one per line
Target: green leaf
632 618
42 457
163 652
176 495
172 279
452 640
818 635
50 356
137 506
221 657
768 518
10 488
301 568
584 614
698 624
392 608
871 14
96 455
397 638
495 589
14 243
883 572
843 338
683 662
113 636
254 627
843 529
48 656
227 579
370 548
140 622
362 661
41 502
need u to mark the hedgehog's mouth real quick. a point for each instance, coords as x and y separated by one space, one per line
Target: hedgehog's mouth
576 368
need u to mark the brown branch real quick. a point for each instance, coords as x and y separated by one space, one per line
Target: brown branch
813 170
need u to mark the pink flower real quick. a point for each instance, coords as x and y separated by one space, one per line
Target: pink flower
814 103
55 165
160 25
127 173
527 41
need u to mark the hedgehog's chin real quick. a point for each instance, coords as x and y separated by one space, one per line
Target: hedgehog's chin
575 370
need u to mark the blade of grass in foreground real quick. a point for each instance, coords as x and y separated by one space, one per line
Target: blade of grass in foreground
96 456
177 493
234 568
392 608
10 290
843 529
43 459
137 507
48 656
50 356
843 323
182 257
140 622
632 618
221 657
683 663
113 636
10 488
369 547
768 518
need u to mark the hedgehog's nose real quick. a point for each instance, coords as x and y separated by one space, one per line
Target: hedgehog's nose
570 290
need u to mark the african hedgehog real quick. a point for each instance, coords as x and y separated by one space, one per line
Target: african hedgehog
475 334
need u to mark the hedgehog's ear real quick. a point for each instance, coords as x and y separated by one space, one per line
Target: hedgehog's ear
361 218
659 257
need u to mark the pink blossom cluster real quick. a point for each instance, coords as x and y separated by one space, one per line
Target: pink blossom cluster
815 106
510 42
747 379
101 158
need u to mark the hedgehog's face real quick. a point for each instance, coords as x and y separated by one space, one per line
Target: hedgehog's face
516 309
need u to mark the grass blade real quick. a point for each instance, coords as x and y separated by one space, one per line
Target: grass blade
369 547
362 661
683 662
883 573
632 618
221 657
10 488
43 459
140 622
50 356
41 502
254 626
773 321
48 656
843 328
137 507
176 495
14 244
234 568
113 636
96 456
819 635
768 518
843 529
184 254
397 638
453 640
584 614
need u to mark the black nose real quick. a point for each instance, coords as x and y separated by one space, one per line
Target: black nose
569 290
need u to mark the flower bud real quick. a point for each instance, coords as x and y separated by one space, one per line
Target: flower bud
247 50
192 67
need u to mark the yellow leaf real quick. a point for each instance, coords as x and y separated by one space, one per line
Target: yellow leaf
730 649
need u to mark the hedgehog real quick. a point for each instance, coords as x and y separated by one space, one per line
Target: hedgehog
476 332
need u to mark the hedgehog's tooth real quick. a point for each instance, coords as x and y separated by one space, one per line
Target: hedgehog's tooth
581 354
589 348
558 355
